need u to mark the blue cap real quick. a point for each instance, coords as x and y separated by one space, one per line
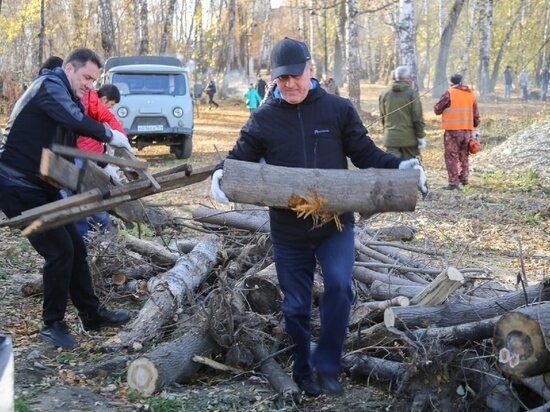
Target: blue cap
288 58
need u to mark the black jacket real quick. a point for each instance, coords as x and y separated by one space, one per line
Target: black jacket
48 112
321 132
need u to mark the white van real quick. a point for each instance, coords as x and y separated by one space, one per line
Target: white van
156 103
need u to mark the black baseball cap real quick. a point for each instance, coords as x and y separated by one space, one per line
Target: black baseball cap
288 58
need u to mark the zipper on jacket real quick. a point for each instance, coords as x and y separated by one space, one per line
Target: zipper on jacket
303 134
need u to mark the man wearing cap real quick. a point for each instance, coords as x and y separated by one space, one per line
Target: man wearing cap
301 125
459 117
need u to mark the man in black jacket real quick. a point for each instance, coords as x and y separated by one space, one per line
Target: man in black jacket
300 125
50 112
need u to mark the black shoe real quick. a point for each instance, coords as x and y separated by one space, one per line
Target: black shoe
307 384
58 335
103 317
451 187
329 384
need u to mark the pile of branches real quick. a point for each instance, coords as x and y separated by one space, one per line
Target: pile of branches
443 337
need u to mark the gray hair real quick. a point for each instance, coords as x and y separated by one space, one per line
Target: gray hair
402 73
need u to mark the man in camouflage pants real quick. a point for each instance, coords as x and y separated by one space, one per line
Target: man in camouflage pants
460 116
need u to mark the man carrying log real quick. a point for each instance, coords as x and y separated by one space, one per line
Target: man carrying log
50 112
300 125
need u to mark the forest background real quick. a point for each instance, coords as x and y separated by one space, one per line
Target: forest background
230 40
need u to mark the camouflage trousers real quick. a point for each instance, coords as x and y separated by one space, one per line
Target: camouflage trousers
456 155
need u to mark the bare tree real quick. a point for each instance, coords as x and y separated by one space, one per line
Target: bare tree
167 26
440 80
41 34
107 28
406 36
340 46
504 43
136 26
485 34
352 53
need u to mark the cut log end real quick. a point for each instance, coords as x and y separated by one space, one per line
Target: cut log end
520 346
143 376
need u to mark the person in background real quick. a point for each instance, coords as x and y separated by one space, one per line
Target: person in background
524 84
301 125
50 112
252 98
261 86
544 78
211 91
328 83
508 81
459 117
402 118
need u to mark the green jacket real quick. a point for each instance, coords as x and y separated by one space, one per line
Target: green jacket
401 112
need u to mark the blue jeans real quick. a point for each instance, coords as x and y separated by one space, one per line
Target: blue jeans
295 268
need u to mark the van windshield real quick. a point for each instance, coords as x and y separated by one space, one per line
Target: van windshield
139 83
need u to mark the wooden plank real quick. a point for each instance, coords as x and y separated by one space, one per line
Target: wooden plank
62 217
127 154
93 176
29 215
57 171
99 157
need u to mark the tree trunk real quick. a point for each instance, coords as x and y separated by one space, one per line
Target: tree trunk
167 27
144 28
457 313
352 55
340 67
168 291
485 35
323 190
472 24
361 367
406 37
500 54
368 276
169 362
107 28
279 380
440 80
440 288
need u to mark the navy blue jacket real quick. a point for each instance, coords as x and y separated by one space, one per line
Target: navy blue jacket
48 112
321 132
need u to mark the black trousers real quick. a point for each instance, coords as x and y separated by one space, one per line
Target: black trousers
66 271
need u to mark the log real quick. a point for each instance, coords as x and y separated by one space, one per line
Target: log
367 276
279 380
538 385
456 313
370 336
113 365
231 219
141 271
33 287
367 311
391 233
168 291
158 254
382 291
522 343
439 289
169 362
382 190
360 366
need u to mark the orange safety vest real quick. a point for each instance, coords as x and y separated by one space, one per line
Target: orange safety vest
460 114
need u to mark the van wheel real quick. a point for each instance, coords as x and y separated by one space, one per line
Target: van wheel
183 151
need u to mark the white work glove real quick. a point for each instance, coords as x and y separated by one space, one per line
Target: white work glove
415 164
109 150
422 143
112 171
215 188
475 134
120 140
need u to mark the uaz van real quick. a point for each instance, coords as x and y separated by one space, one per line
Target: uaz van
156 104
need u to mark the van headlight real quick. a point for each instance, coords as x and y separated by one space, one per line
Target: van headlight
177 112
122 112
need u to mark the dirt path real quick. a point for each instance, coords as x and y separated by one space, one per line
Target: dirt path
482 225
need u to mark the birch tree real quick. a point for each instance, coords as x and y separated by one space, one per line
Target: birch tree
485 35
340 66
406 37
469 36
107 29
352 54
440 80
143 28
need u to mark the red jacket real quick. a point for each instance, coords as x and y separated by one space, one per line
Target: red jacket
97 111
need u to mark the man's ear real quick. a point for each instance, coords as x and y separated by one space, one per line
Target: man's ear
103 99
69 68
